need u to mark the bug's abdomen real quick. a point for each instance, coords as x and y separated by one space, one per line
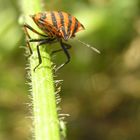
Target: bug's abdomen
57 23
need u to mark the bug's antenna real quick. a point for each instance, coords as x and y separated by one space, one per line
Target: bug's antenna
89 46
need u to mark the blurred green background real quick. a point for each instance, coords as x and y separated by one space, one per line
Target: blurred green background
100 92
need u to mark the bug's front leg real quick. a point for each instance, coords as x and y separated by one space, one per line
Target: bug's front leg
27 27
27 40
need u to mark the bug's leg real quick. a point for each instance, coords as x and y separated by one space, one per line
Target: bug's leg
28 40
67 46
26 26
44 41
28 44
67 55
39 57
48 40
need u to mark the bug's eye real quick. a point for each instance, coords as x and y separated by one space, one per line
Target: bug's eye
32 16
43 16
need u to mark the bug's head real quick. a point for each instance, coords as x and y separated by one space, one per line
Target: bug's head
35 17
39 18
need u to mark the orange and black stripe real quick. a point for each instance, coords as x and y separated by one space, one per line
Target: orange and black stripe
66 21
61 15
69 24
75 26
54 21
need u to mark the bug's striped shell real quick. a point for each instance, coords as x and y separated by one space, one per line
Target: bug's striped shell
57 24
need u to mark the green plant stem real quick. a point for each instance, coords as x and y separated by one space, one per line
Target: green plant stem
45 118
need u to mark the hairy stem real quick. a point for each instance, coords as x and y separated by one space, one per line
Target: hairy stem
45 118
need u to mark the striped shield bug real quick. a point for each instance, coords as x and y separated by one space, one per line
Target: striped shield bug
56 26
